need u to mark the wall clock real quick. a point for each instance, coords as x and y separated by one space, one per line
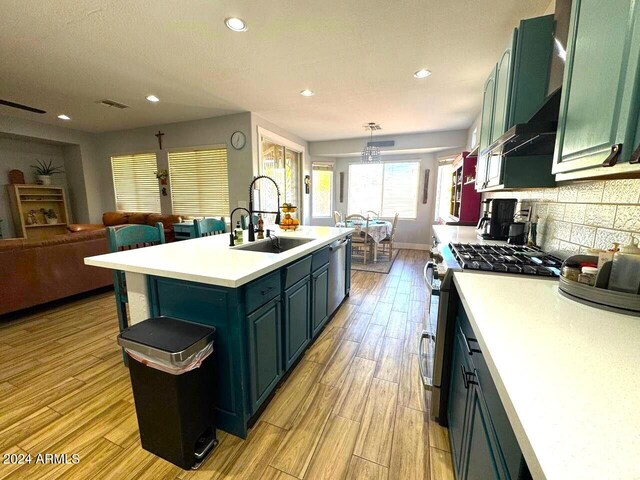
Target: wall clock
238 140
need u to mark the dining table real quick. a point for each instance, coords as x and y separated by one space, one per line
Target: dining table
378 230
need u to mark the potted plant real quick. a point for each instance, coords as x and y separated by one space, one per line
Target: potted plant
162 175
44 171
49 215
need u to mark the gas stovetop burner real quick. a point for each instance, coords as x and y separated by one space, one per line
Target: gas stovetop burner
506 259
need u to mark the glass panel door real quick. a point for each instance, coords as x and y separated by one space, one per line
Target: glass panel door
283 165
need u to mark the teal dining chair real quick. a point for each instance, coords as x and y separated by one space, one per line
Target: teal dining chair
129 237
208 226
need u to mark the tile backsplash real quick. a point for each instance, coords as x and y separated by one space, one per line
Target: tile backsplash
578 216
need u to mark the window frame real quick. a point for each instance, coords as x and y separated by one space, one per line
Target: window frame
381 208
331 189
263 133
193 149
113 179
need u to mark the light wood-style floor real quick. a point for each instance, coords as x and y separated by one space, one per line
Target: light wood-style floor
352 408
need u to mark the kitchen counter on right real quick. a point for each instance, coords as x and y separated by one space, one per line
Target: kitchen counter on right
566 374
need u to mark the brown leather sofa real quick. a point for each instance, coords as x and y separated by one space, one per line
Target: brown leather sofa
33 272
116 219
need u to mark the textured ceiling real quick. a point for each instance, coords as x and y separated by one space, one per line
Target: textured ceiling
358 56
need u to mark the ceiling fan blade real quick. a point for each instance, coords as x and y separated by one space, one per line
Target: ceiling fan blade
21 107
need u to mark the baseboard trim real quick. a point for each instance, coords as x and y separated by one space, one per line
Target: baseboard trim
412 246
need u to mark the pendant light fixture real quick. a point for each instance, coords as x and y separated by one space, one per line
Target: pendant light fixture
371 153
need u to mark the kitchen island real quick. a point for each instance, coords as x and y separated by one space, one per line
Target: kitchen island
266 307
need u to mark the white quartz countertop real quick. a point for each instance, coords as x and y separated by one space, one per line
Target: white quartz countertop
566 374
450 233
210 260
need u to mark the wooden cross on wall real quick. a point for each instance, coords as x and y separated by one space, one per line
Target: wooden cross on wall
159 135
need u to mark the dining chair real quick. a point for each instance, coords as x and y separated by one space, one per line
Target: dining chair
387 243
129 237
361 240
373 214
208 226
355 216
337 217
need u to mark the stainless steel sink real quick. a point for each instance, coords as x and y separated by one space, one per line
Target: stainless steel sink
274 245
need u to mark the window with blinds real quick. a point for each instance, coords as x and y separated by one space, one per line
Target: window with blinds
199 182
321 190
135 183
388 188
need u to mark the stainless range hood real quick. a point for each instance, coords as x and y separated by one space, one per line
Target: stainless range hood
536 137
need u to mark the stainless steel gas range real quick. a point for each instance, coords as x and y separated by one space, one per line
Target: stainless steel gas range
435 346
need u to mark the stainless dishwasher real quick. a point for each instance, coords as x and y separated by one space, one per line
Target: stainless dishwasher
337 272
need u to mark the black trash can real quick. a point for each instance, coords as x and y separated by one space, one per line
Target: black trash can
172 377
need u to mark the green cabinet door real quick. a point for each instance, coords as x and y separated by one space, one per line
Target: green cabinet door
502 97
319 299
265 351
486 125
297 320
457 406
483 458
600 97
504 74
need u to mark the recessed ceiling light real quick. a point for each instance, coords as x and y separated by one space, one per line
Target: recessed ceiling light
307 93
236 24
424 73
153 98
62 116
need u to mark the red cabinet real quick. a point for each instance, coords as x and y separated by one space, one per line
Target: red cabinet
465 201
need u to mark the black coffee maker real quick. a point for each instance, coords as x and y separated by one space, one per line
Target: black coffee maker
497 216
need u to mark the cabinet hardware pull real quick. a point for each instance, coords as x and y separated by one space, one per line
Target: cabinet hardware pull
265 291
613 157
470 350
635 156
471 375
474 350
426 381
464 377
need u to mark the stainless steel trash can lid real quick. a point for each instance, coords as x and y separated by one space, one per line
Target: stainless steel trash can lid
167 338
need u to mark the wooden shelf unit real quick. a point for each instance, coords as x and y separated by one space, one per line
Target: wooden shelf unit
25 198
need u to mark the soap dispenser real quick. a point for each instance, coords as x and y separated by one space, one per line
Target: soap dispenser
625 270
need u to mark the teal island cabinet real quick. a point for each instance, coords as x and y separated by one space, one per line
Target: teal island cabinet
267 307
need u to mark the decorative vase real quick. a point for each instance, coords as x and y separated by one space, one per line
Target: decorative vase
51 220
44 179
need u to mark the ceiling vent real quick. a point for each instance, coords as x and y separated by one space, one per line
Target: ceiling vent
112 103
382 143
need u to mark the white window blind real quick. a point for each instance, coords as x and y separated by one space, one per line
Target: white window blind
321 189
387 188
365 188
135 183
400 189
199 182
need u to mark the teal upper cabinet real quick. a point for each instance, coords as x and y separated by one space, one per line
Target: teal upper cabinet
600 96
514 92
486 125
504 76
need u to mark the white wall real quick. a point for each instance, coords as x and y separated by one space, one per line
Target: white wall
21 154
84 183
411 233
211 131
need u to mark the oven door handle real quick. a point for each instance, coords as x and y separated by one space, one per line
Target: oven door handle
430 266
426 380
